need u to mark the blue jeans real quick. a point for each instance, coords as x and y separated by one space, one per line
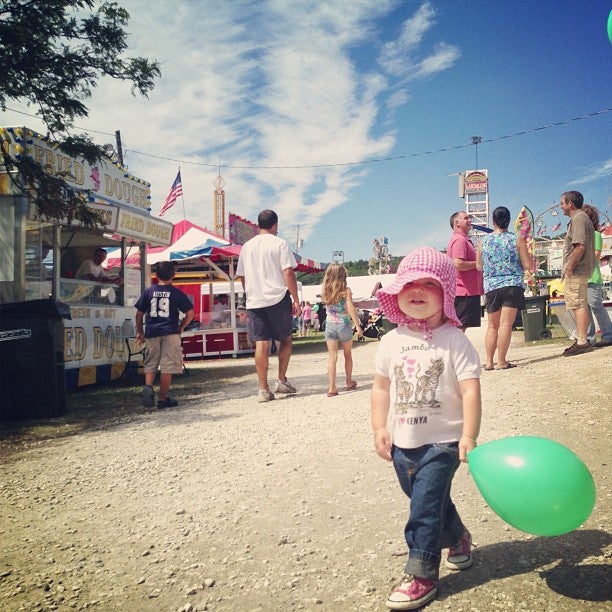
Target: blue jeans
342 332
598 310
425 475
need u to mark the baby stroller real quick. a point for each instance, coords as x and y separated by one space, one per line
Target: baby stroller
372 325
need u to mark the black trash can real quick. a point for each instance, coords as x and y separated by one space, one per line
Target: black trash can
32 383
534 318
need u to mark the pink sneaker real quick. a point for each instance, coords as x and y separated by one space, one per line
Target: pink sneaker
412 592
460 556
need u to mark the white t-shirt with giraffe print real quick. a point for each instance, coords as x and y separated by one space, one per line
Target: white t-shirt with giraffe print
426 405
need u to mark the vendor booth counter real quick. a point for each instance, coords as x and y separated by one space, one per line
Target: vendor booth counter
86 343
213 336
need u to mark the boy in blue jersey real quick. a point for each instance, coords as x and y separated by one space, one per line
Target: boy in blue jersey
162 304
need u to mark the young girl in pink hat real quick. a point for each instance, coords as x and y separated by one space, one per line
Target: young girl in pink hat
427 379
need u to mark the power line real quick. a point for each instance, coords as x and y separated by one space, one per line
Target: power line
14 110
353 163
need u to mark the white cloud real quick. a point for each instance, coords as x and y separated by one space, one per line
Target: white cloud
395 56
442 58
262 84
397 99
400 57
604 169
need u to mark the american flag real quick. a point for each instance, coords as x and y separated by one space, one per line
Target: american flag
175 191
556 227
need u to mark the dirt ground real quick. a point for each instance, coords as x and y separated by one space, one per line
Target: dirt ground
223 504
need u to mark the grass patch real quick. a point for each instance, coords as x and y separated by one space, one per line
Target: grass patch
311 344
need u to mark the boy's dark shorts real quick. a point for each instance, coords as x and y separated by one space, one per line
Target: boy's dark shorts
510 297
272 322
468 310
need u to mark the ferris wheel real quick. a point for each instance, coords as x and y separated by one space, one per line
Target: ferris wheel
548 222
380 262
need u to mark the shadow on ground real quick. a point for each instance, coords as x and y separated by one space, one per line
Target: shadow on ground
577 571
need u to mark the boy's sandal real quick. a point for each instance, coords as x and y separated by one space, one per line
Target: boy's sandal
351 386
332 393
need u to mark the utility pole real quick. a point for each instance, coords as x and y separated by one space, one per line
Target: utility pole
298 243
119 147
219 205
476 140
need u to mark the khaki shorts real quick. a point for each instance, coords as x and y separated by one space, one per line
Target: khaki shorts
575 292
165 353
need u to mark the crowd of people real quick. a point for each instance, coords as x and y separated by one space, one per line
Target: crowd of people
497 266
426 399
312 318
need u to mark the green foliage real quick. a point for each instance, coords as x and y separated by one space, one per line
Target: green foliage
357 268
311 279
53 52
354 268
52 56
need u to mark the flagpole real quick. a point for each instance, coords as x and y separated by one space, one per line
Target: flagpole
175 191
182 196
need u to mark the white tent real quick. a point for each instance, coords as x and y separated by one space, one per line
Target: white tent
192 238
186 236
360 286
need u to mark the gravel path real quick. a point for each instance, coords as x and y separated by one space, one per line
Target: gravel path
223 504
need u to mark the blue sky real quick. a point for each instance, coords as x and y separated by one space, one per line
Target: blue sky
295 98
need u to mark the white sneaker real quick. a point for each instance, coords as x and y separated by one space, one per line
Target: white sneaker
460 556
265 395
285 387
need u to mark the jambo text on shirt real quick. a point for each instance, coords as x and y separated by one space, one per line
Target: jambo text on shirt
417 347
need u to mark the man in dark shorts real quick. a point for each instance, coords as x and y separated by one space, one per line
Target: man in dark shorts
266 266
469 280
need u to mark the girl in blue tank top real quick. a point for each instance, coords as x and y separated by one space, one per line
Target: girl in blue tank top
340 311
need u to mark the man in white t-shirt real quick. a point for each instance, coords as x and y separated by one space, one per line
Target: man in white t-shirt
91 269
266 266
220 308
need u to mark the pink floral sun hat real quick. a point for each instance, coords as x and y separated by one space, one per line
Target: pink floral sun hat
425 262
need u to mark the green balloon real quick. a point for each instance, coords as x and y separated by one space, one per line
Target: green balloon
534 484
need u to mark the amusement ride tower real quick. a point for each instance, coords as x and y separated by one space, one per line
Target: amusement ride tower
219 205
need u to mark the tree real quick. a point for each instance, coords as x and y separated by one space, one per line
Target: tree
53 52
